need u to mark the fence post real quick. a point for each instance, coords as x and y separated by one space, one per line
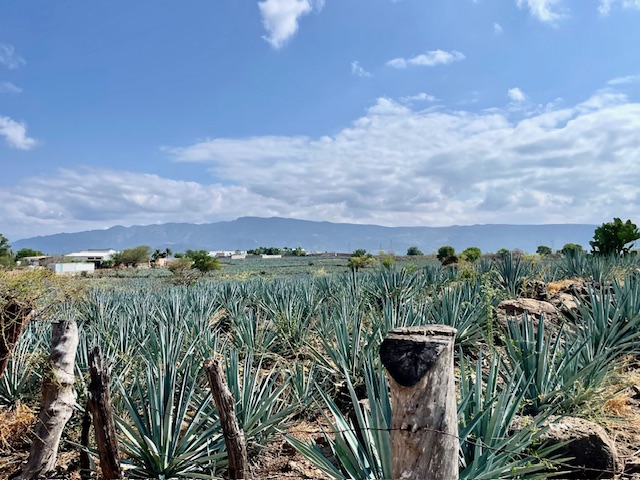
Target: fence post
233 434
56 406
424 435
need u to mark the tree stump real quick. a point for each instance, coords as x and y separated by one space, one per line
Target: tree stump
424 430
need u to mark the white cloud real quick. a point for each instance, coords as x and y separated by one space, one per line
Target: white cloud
9 58
8 87
549 11
280 18
606 5
356 69
397 166
419 97
516 95
393 166
95 198
624 80
15 134
497 28
428 59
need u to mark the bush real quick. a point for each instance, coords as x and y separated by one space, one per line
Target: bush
445 253
471 254
203 261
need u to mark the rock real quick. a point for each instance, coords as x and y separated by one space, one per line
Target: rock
589 451
566 303
564 296
533 308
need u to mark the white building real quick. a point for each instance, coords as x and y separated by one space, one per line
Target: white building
73 267
96 256
232 254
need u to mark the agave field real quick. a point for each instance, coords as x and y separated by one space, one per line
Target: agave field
301 360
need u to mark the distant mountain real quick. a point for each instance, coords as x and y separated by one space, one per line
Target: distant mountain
251 232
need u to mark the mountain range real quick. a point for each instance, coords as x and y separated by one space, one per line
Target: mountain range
251 232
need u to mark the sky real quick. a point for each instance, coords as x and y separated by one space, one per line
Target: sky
388 112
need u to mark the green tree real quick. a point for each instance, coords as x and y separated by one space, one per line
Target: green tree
503 253
6 256
614 238
543 250
5 247
570 248
294 252
360 259
446 252
203 261
132 257
28 252
471 254
414 251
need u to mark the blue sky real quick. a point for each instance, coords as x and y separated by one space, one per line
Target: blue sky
400 112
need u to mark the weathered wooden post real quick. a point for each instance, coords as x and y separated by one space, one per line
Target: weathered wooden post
57 402
99 405
424 435
233 434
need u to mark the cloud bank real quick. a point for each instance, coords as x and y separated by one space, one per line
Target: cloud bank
395 165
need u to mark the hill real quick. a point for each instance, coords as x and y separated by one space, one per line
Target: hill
251 232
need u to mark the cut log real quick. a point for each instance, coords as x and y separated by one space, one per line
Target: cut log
424 430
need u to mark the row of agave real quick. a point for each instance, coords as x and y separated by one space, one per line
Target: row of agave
307 347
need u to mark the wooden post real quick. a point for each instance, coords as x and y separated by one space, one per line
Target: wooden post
233 435
424 435
57 402
99 405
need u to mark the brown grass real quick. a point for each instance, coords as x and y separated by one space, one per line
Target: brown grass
15 426
555 287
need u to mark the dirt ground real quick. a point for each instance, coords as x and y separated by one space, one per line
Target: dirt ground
619 415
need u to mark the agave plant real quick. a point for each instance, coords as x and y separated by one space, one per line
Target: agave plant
169 428
490 447
554 366
361 445
347 343
262 403
21 376
462 306
512 270
607 331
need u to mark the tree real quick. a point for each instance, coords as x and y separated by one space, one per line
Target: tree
571 248
28 252
5 248
614 238
203 261
359 259
471 254
543 250
446 252
6 256
503 253
132 257
414 251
